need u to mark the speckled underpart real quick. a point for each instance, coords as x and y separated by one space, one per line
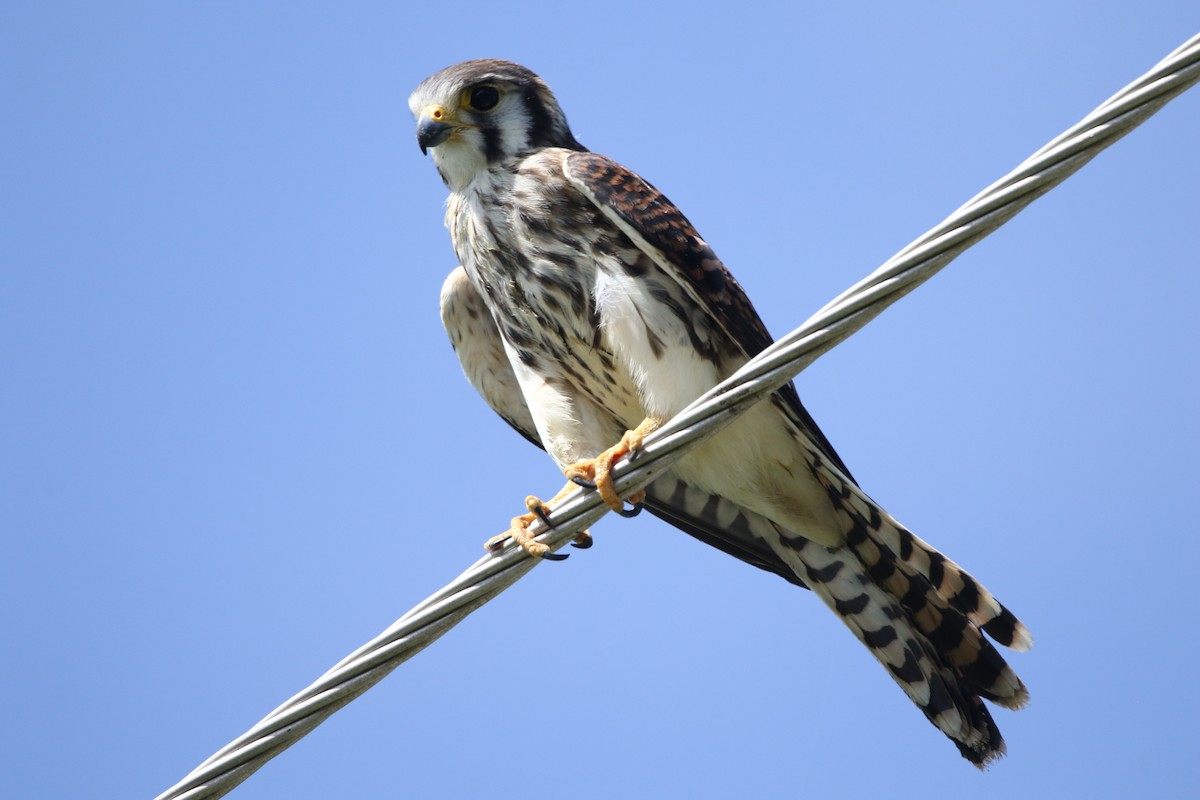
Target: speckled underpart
587 302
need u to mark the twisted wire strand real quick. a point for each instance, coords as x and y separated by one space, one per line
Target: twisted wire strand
775 366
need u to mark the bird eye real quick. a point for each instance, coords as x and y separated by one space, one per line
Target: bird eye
484 98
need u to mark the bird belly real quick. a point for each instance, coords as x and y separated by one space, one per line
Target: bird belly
759 461
759 464
653 346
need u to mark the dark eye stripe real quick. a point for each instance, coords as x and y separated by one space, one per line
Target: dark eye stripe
493 147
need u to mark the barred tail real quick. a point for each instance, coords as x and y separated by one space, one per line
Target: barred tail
895 543
918 613
932 650
921 615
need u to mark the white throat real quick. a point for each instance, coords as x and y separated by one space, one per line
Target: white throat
458 163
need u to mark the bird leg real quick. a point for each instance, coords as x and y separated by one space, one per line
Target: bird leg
598 471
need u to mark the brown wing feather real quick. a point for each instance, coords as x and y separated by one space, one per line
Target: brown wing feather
661 230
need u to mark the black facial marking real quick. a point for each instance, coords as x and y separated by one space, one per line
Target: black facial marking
547 129
493 144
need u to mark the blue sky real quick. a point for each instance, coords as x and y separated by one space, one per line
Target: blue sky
235 444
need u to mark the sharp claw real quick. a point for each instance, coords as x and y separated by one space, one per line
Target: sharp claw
630 512
582 543
555 556
543 516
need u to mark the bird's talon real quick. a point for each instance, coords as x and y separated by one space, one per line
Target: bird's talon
496 543
596 473
582 540
542 514
555 556
518 531
630 512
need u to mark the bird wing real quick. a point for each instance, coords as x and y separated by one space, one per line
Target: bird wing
710 518
664 234
918 613
477 343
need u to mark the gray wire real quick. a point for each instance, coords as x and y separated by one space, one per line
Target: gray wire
771 369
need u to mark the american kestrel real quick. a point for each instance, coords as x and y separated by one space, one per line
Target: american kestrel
587 311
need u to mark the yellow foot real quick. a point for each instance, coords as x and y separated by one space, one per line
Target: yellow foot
598 470
518 529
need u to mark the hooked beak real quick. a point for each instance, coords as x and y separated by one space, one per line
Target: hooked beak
433 128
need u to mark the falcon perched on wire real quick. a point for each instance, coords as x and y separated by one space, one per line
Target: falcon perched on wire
587 311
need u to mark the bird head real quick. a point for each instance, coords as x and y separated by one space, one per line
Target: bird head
479 114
